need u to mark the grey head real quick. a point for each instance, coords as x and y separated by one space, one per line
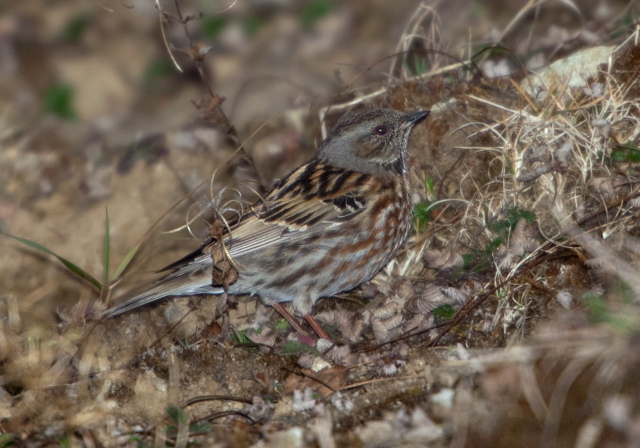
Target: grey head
372 142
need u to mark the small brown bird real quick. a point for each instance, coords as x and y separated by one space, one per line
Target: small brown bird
326 227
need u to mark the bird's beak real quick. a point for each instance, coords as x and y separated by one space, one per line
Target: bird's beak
413 118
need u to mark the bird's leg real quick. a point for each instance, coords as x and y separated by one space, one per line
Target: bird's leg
296 325
316 327
289 318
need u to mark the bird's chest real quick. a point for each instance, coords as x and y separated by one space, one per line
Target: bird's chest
393 221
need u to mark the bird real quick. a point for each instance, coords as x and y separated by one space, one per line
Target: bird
326 227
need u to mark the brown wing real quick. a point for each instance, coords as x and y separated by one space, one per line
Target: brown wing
309 200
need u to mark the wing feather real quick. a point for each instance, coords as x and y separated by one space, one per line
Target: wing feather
315 199
311 199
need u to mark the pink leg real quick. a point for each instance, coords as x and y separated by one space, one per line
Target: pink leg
317 328
296 325
289 318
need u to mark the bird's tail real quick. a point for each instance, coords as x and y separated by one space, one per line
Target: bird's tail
171 285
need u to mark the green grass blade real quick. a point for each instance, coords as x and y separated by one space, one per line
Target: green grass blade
72 267
105 250
124 264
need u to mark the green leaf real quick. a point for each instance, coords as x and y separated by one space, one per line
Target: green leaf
429 185
252 25
212 26
419 65
601 311
240 338
493 245
106 248
421 215
618 156
514 215
282 325
157 71
176 414
315 10
72 267
8 439
596 305
444 312
58 100
76 28
633 156
184 343
501 227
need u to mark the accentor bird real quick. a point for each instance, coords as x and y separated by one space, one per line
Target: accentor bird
326 227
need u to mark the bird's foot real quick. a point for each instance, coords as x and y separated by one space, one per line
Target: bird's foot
296 325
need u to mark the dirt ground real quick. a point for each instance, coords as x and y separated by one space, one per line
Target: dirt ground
510 317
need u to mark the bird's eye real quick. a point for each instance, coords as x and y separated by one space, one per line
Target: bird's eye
380 130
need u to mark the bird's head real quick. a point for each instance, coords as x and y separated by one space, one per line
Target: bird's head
372 142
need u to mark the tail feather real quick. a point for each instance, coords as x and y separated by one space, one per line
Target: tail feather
182 284
135 302
191 276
